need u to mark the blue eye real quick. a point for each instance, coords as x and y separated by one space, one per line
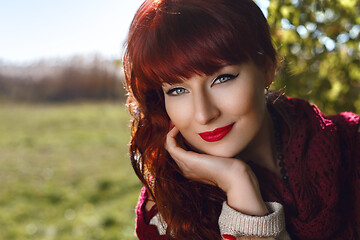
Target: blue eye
176 91
223 78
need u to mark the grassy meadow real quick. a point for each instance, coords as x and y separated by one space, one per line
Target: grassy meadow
65 172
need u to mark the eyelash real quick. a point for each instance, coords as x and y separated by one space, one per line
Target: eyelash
173 90
222 79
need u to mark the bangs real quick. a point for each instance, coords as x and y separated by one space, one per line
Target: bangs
180 39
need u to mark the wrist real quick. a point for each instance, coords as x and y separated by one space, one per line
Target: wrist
237 224
248 205
237 174
243 193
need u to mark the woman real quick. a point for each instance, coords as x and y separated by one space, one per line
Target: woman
220 156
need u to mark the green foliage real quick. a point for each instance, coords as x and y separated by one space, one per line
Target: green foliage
319 43
65 172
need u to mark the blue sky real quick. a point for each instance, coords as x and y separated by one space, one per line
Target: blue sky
36 29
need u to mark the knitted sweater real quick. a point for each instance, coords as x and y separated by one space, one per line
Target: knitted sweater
322 157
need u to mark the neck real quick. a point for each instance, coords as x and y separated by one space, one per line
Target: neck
261 149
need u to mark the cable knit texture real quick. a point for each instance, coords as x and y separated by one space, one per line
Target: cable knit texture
322 159
237 224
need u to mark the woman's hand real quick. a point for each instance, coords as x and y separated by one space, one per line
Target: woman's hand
233 176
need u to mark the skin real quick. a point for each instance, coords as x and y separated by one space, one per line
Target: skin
207 103
204 103
210 102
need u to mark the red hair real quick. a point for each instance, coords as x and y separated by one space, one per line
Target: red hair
170 41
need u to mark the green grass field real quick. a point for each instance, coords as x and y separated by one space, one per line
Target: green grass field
65 172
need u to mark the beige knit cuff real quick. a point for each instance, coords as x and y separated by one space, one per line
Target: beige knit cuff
237 224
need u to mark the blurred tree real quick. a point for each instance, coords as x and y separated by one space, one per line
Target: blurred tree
319 46
76 78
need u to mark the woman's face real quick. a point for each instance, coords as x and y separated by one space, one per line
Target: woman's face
219 114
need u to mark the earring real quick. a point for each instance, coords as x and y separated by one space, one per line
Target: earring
266 92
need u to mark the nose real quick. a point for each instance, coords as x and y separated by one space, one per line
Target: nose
205 109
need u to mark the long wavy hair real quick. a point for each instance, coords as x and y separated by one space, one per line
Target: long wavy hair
169 41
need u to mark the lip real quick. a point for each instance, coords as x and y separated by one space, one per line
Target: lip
217 134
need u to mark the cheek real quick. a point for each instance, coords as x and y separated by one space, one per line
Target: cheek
178 112
243 101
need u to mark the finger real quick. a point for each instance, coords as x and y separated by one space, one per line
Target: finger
170 138
173 131
171 125
173 147
178 153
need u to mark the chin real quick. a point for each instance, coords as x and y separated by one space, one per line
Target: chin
226 153
218 151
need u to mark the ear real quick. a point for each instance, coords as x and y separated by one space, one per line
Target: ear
270 69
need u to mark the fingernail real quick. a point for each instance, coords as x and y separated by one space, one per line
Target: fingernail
228 237
172 125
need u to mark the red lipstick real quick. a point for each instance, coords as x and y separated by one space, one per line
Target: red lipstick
217 134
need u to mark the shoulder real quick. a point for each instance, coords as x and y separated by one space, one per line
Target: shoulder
146 208
300 110
325 134
334 134
145 229
347 122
